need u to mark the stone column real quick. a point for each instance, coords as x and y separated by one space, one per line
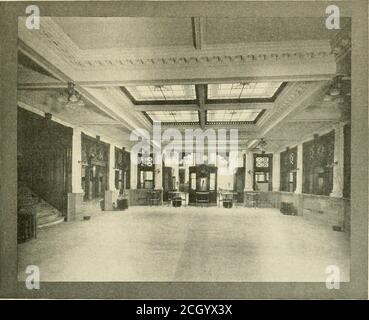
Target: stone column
112 193
112 167
75 198
159 176
175 166
276 174
337 190
299 169
249 171
133 175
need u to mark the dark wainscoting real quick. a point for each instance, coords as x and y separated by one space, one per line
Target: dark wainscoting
327 210
45 158
140 197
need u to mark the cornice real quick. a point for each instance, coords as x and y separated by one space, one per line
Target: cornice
296 96
53 40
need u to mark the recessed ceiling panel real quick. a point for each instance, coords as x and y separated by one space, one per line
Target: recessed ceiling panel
250 30
245 90
126 32
173 116
164 93
232 115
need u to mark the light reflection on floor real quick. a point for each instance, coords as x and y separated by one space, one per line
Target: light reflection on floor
187 244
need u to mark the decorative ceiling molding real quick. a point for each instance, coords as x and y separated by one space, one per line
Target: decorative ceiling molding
52 41
120 106
63 71
219 55
296 96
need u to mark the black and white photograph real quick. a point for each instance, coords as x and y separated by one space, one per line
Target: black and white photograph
187 148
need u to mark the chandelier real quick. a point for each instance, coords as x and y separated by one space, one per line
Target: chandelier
339 88
70 98
262 145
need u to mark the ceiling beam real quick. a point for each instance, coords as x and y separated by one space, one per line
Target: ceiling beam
207 73
200 94
239 106
42 86
92 82
206 106
311 120
295 98
85 92
169 107
198 33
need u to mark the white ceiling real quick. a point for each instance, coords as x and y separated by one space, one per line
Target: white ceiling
248 30
127 33
276 52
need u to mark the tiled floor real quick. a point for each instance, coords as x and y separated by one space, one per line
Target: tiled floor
187 244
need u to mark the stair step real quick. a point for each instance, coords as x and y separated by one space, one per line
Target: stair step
47 219
46 212
51 223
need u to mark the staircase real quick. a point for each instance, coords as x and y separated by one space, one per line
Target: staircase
46 214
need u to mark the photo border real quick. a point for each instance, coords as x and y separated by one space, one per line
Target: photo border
357 288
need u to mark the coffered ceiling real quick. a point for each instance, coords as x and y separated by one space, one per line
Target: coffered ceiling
265 77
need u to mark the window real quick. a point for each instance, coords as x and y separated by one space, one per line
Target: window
262 172
260 177
262 162
145 171
146 179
